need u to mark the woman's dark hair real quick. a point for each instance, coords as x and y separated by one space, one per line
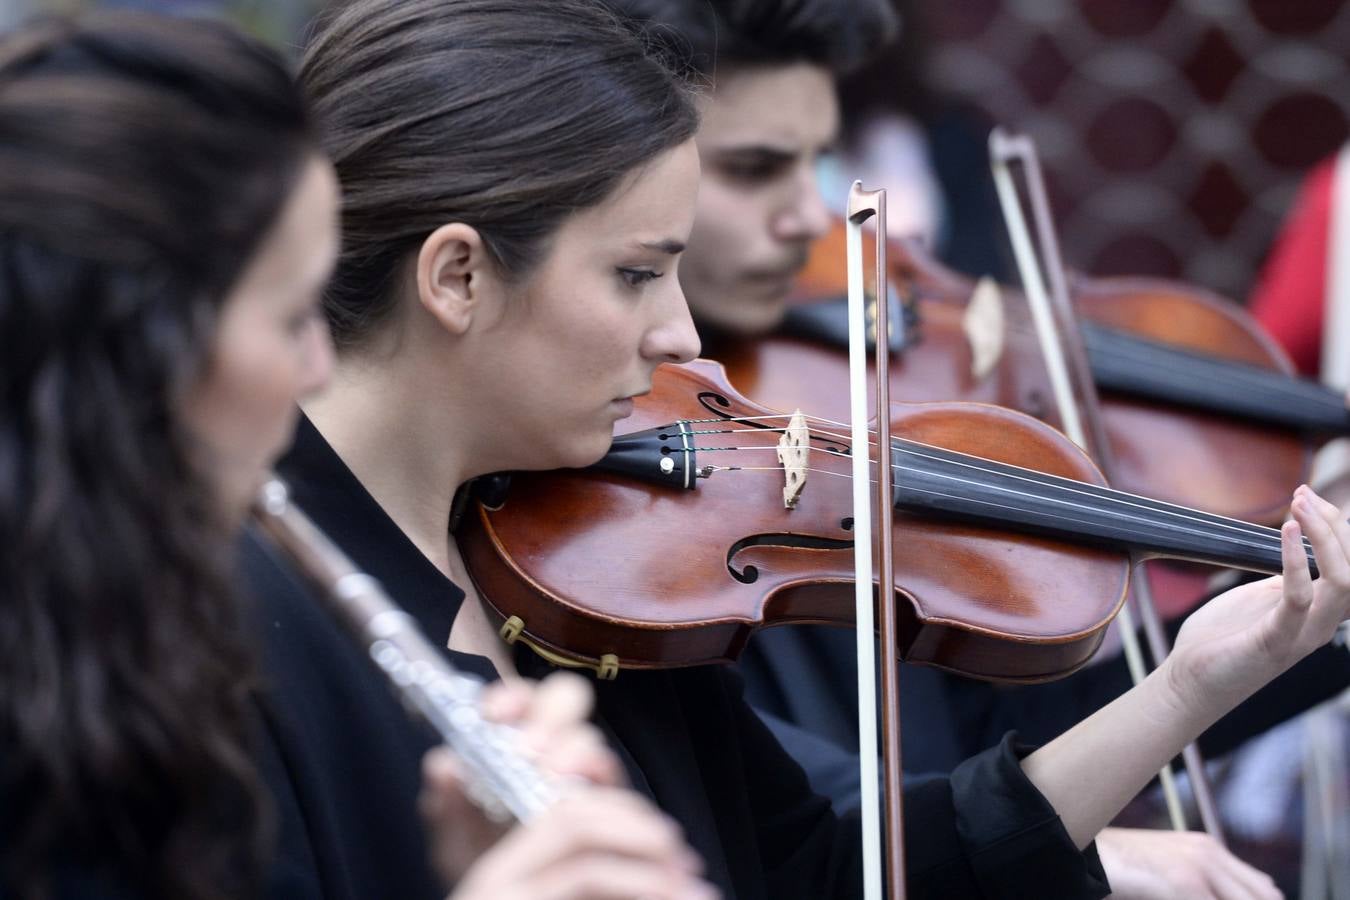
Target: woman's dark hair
839 35
506 116
141 160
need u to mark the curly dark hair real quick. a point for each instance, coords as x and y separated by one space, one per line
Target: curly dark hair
141 160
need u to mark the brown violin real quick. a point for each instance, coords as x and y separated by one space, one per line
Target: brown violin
1199 405
1009 550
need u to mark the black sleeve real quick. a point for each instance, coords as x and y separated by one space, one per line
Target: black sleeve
77 883
801 841
985 832
1013 840
292 873
832 770
338 755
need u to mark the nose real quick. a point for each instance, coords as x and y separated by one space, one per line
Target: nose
672 338
316 359
804 215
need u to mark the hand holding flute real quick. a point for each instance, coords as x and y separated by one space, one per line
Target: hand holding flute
522 753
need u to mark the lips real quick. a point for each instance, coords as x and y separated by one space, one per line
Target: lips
774 276
624 404
789 269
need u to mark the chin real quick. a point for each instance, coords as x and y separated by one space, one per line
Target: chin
758 314
578 454
235 500
590 451
234 482
753 321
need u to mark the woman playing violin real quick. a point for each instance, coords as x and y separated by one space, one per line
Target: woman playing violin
768 119
518 191
166 224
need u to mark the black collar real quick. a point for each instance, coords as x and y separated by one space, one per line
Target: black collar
339 504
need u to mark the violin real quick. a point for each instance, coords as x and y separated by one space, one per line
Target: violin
1010 551
1200 407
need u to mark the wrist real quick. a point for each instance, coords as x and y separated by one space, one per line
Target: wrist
1188 698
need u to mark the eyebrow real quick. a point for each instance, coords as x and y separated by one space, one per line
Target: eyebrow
668 246
757 150
772 152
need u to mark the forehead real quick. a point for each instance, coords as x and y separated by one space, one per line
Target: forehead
790 106
655 202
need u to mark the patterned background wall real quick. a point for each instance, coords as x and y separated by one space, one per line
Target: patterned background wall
1174 132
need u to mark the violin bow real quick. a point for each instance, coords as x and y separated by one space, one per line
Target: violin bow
1076 395
862 206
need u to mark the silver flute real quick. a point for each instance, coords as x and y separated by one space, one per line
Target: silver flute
499 779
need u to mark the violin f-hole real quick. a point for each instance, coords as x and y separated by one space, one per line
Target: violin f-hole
750 573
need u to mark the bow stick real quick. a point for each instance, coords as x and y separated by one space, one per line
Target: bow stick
1076 396
864 205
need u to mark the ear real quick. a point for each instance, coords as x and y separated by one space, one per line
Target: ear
453 272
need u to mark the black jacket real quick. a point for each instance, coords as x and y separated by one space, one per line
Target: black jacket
343 760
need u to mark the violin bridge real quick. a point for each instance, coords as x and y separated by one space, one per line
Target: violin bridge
983 324
794 446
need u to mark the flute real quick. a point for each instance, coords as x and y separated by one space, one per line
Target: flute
499 779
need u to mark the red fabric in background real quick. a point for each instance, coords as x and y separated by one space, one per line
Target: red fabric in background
1289 298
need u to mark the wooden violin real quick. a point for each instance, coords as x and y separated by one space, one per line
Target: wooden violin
1200 407
674 549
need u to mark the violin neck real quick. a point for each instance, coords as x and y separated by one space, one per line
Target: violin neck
1133 365
1128 364
934 481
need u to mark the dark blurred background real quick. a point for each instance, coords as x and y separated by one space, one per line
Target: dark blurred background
1173 132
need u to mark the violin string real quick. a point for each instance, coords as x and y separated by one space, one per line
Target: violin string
1207 521
1225 522
772 470
1263 540
1193 524
1066 517
910 446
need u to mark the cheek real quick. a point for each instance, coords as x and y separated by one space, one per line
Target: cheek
719 223
248 408
591 360
268 382
721 245
708 260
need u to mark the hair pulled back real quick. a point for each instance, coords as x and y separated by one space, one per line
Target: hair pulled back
141 159
506 116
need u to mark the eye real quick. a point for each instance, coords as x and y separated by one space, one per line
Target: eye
751 173
297 323
635 278
754 168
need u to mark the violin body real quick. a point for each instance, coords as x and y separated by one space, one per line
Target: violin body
596 564
1212 459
